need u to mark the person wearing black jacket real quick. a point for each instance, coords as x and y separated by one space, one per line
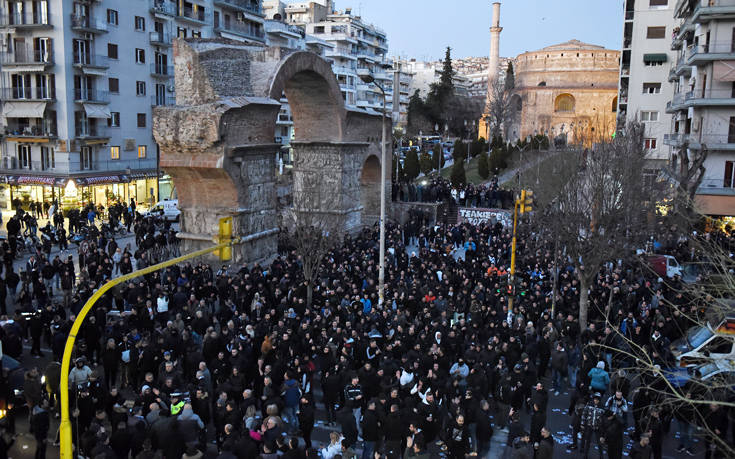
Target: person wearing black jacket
394 430
370 430
306 419
39 428
545 446
716 428
612 435
484 429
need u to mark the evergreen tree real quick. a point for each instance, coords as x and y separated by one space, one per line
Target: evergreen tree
458 177
411 164
446 79
437 156
482 166
459 151
416 112
510 78
426 163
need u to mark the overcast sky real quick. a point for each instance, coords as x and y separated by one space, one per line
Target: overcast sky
423 28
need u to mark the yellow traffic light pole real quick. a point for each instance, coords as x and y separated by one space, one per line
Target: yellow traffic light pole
65 432
521 206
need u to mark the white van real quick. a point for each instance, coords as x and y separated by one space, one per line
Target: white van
703 344
168 209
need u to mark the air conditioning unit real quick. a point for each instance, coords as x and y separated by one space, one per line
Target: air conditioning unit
8 162
171 88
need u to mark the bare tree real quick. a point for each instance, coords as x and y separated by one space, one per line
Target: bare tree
312 236
500 111
688 173
598 206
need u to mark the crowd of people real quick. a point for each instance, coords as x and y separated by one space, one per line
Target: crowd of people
232 363
489 195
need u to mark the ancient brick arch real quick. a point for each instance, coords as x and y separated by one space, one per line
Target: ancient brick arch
217 142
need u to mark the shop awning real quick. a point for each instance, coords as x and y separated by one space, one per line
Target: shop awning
42 180
724 70
23 109
97 71
662 57
97 111
24 68
101 180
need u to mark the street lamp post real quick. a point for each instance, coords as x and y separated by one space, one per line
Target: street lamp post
368 79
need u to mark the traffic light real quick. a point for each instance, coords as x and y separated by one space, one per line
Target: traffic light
225 234
526 201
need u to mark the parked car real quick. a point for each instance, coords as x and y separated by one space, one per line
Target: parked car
718 373
703 344
167 209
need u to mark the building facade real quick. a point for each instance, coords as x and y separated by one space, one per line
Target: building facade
567 90
79 82
646 58
703 104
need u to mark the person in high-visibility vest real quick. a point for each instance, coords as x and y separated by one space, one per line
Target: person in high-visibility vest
176 405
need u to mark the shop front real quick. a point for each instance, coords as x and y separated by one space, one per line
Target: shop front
77 191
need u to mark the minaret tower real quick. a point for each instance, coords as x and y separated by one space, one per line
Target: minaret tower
492 72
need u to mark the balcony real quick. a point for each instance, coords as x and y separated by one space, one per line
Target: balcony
163 101
91 131
196 16
244 6
85 24
28 94
344 70
719 142
678 102
629 15
162 71
91 96
250 30
708 10
94 61
45 129
163 8
63 165
27 57
625 70
710 52
344 53
699 98
161 39
27 21
286 30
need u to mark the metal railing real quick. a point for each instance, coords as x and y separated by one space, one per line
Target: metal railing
191 13
45 129
63 165
90 130
28 93
91 95
161 38
710 94
242 28
694 140
276 25
25 19
27 55
163 7
87 23
159 101
726 47
162 70
92 60
252 6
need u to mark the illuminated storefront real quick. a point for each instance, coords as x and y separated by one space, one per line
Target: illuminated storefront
76 191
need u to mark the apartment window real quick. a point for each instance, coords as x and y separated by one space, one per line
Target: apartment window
139 23
651 88
656 32
47 158
658 2
24 156
731 131
319 29
649 144
649 116
112 51
114 119
112 17
141 120
196 34
728 182
652 63
142 151
85 158
139 56
115 152
113 85
181 32
140 88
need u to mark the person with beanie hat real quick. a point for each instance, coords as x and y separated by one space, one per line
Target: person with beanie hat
599 378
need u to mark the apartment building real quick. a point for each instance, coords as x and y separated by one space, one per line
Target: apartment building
644 87
703 103
79 81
